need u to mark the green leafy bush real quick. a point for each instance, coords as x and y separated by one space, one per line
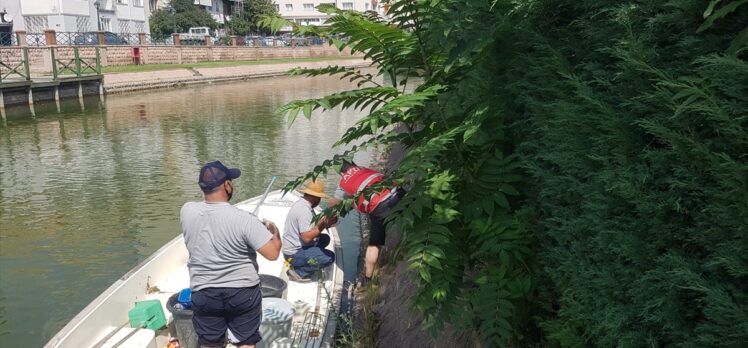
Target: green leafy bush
577 170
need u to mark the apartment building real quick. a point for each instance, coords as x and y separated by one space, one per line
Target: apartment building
304 12
119 16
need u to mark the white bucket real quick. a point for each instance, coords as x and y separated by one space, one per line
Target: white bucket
277 317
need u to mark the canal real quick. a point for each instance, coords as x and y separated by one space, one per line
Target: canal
90 190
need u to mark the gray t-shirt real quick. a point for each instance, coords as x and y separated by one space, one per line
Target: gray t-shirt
299 219
221 240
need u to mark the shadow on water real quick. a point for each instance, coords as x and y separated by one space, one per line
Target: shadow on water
88 191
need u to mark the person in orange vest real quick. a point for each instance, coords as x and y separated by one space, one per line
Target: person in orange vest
353 180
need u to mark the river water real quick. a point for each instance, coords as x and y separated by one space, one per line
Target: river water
87 193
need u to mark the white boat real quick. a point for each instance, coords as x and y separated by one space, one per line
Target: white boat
104 322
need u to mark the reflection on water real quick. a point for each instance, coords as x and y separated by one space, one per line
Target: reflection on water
85 195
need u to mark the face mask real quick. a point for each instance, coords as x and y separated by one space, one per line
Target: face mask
315 203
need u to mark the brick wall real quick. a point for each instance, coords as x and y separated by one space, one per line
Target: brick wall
40 61
122 55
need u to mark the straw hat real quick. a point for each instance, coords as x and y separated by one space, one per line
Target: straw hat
315 188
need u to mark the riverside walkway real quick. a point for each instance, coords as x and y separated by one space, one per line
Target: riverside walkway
136 81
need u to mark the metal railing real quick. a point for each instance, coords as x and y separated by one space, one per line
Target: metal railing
137 39
8 69
192 41
76 66
223 41
36 39
281 41
156 41
8 39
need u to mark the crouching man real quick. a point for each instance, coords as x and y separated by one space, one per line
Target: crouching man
303 242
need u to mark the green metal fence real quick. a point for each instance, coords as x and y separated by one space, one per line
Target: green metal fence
76 66
13 70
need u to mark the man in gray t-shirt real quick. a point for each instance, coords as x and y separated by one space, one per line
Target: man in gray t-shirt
303 242
223 242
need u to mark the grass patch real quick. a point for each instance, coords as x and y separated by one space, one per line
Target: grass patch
363 331
156 67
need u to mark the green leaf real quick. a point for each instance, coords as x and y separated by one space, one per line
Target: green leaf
308 111
720 13
710 8
425 275
738 42
292 116
470 132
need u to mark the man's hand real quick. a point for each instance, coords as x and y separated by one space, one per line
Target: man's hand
271 249
326 222
271 227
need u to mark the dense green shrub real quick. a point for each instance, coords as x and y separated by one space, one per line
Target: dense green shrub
636 135
578 170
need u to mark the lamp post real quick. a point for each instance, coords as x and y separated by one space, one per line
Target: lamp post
98 20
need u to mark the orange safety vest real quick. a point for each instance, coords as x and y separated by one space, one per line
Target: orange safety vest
355 180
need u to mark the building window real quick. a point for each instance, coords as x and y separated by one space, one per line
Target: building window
83 23
106 24
308 7
138 3
124 26
122 2
366 6
289 7
139 26
277 7
307 21
35 24
347 5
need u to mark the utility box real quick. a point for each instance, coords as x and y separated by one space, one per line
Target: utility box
147 314
136 55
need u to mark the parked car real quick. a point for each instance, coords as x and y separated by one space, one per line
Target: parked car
92 38
196 35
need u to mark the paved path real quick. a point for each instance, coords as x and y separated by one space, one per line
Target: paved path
126 82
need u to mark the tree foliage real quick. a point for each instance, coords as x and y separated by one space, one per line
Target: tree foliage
181 15
577 170
249 19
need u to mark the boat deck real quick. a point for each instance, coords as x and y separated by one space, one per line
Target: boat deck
104 322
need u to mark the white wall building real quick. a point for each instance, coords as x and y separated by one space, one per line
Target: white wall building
219 9
119 16
304 11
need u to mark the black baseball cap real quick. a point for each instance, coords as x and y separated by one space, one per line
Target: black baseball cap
214 174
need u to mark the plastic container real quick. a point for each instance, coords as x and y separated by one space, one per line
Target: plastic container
277 315
147 314
182 323
272 286
185 298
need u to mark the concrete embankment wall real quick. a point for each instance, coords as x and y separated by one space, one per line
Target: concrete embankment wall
129 82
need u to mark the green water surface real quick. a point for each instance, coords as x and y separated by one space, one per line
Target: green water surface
88 192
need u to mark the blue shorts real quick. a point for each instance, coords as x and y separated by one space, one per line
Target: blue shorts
238 309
